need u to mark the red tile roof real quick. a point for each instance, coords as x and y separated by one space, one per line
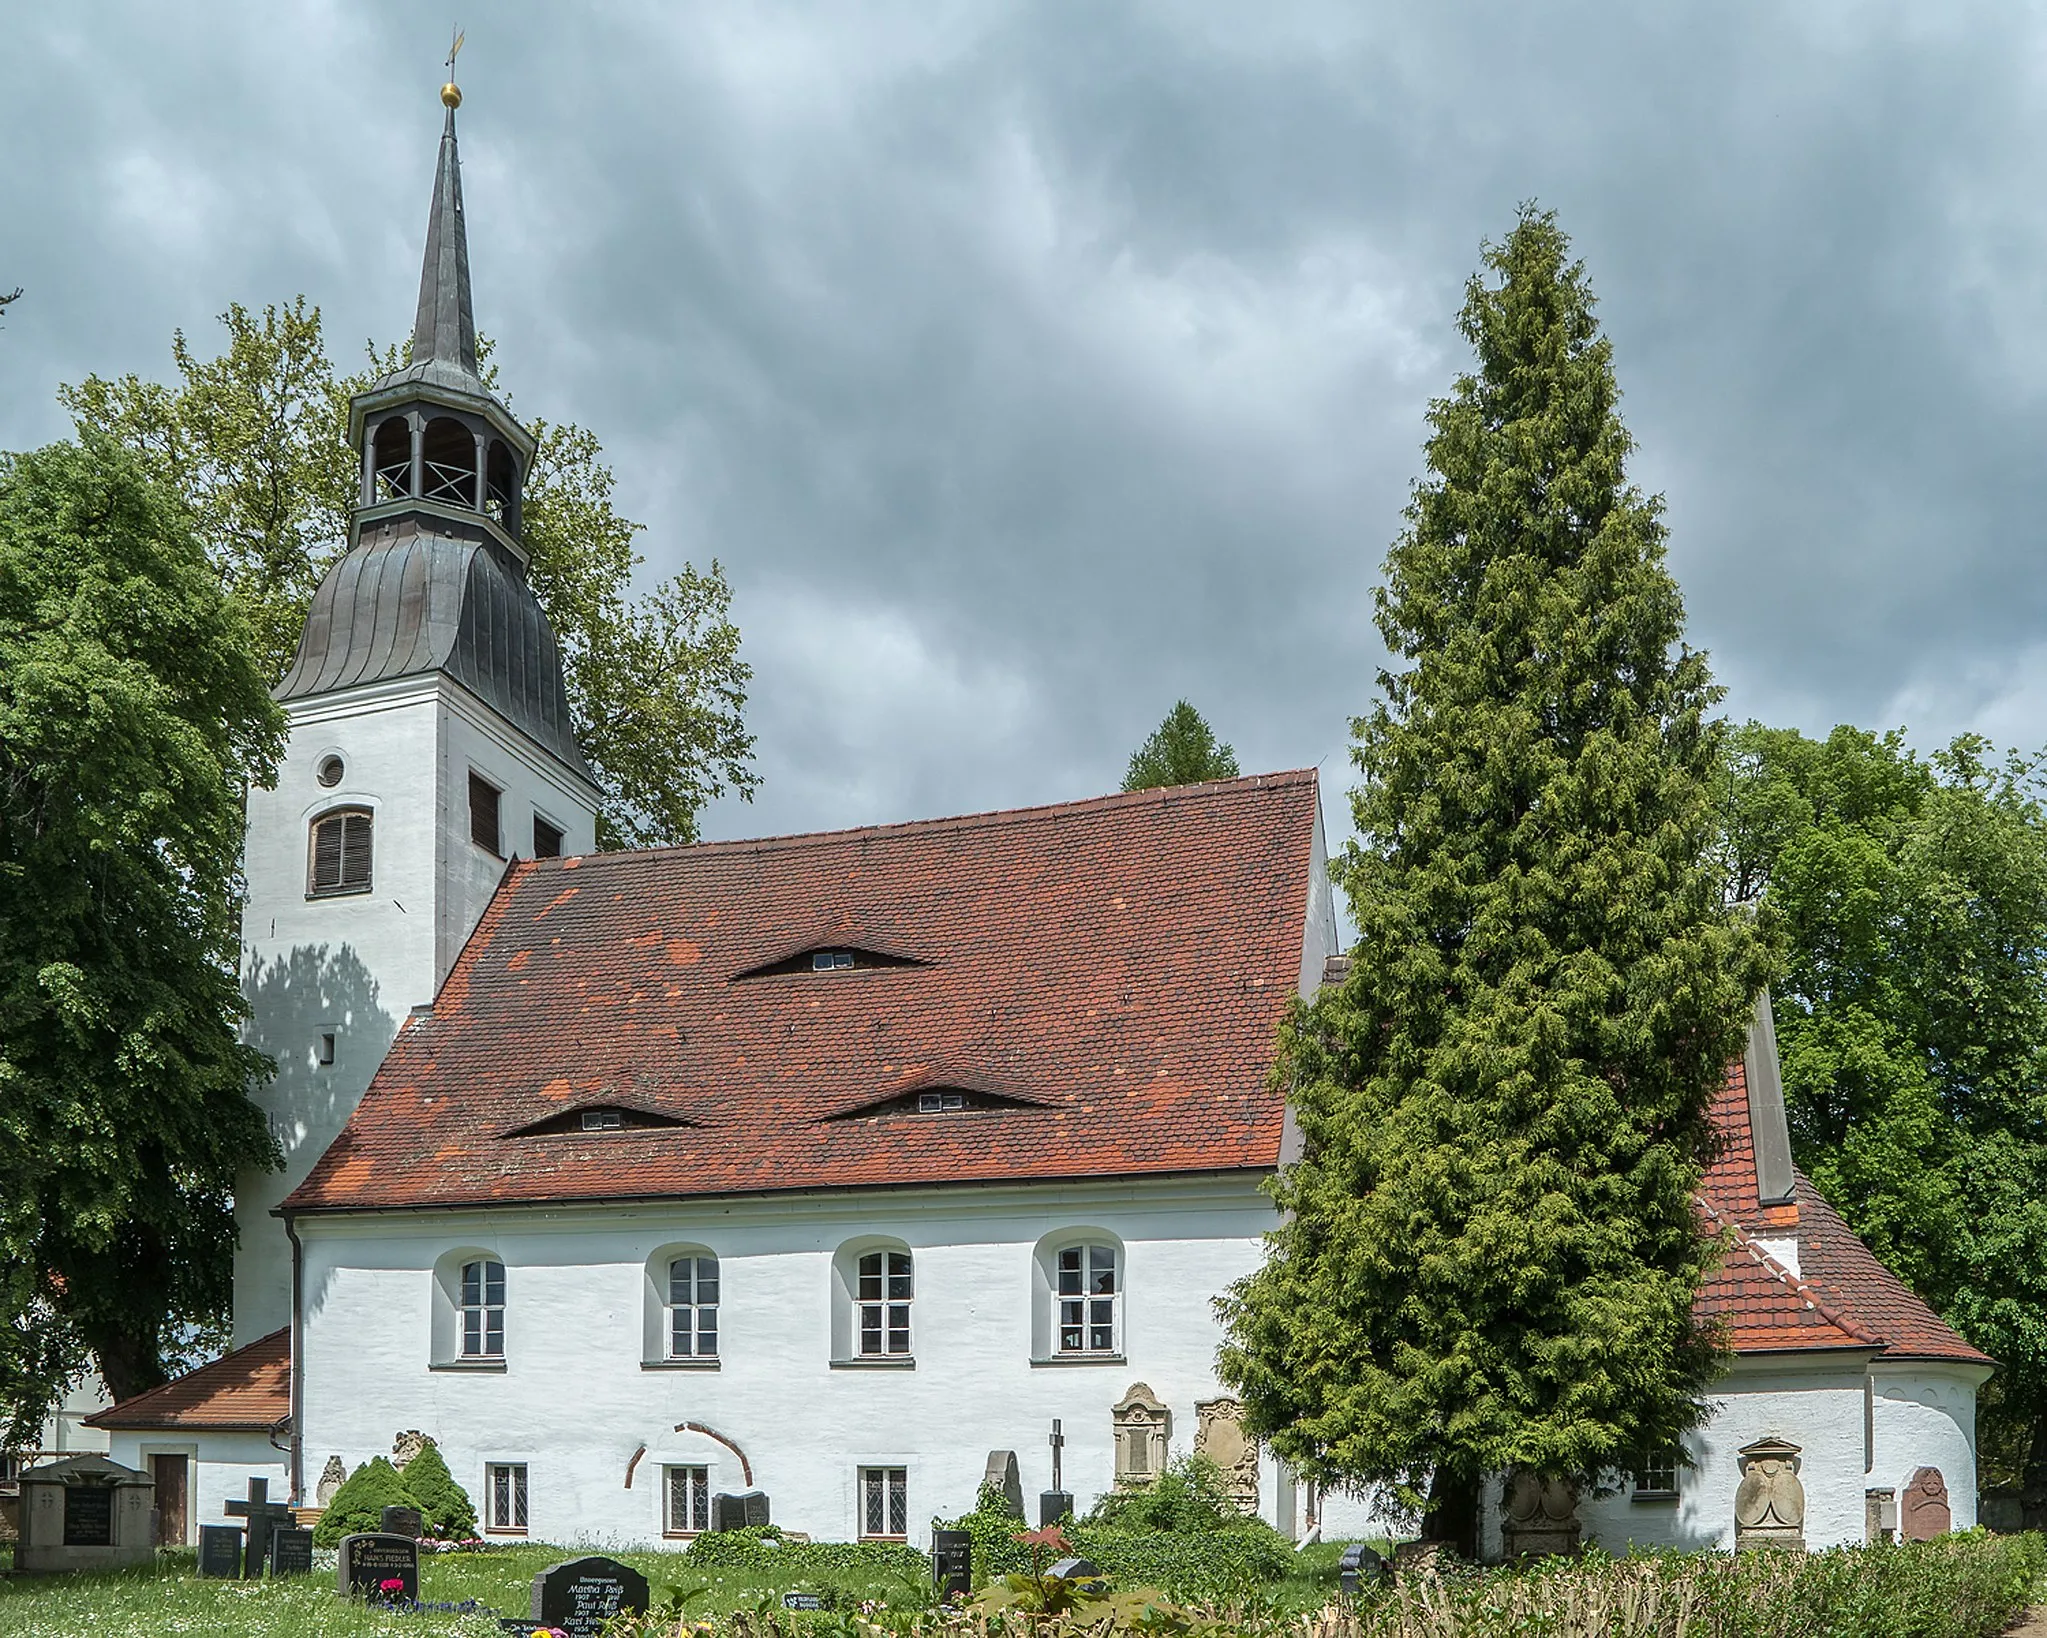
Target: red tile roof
1842 1297
249 1389
1105 976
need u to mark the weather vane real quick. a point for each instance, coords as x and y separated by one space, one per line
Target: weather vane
451 93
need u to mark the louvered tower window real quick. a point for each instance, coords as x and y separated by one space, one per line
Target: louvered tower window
341 853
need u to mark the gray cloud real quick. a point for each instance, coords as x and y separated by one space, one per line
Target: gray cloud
1029 366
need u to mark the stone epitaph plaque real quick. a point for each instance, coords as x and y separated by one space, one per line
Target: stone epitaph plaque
952 1563
291 1551
379 1568
1539 1516
1769 1504
84 1512
1219 1435
1925 1513
580 1595
220 1551
1142 1424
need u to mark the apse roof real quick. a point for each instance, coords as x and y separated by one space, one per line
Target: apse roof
1101 980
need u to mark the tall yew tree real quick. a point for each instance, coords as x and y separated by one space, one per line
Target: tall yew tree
1490 1247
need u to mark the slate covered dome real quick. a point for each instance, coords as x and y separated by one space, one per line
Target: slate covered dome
415 595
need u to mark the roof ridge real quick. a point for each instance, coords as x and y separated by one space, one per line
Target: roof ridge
985 819
1828 1307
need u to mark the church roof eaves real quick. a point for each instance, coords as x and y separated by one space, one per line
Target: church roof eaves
248 1390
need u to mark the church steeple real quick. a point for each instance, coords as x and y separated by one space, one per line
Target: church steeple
445 327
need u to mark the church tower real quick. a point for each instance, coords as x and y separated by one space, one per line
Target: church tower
430 743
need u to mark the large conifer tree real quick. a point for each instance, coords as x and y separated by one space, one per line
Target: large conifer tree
1491 1248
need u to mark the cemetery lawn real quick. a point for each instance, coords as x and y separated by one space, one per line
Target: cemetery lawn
169 1598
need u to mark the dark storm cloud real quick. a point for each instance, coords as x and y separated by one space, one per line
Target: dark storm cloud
1029 366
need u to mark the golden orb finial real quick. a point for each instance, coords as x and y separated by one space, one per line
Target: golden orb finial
451 93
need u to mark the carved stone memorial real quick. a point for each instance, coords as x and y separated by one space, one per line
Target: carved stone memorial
377 1568
406 1446
1142 1424
1219 1435
1879 1514
1002 1475
332 1477
1925 1513
1769 1503
84 1513
580 1595
1539 1516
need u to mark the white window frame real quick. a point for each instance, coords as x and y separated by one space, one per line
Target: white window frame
1650 1467
686 1332
1080 1309
884 1492
506 1497
689 1482
882 1297
474 1317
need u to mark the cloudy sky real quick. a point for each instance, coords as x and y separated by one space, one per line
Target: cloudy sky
1029 366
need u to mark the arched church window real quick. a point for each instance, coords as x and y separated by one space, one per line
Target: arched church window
1089 1299
448 462
391 459
884 1304
341 849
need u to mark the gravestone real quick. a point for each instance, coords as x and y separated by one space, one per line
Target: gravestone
1141 1424
1540 1516
1769 1504
952 1563
378 1568
220 1551
1879 1515
580 1595
1056 1503
1219 1435
1001 1476
84 1513
746 1511
291 1551
1925 1513
1358 1566
1075 1569
263 1516
401 1521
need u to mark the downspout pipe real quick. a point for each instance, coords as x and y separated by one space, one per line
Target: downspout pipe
298 1337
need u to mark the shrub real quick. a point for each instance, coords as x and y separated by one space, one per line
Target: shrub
768 1549
1207 1565
1190 1496
445 1507
359 1504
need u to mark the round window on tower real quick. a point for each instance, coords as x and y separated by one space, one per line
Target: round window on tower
330 771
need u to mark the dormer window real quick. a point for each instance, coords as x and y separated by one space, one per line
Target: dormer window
603 1120
939 1102
831 961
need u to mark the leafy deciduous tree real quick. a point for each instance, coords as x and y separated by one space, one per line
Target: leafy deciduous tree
1491 1248
1182 750
132 718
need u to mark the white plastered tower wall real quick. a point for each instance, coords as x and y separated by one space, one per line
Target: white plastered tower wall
353 965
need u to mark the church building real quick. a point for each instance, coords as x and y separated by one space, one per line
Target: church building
827 1166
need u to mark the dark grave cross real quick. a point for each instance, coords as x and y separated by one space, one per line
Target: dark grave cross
1054 1504
264 1515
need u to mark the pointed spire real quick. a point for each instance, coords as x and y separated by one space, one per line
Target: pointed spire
444 329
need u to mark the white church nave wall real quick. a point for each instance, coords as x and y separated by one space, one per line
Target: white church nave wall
575 1397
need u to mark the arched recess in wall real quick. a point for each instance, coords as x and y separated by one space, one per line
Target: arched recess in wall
447 462
873 1301
1078 1279
446 1331
680 1305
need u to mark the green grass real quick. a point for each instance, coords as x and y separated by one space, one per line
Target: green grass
170 1599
